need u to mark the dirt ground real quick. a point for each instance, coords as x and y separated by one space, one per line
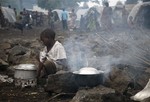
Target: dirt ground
8 91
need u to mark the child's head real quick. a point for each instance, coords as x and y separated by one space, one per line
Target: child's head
47 36
106 4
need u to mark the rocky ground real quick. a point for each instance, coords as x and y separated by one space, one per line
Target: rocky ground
20 46
122 53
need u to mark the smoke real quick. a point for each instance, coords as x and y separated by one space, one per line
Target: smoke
104 49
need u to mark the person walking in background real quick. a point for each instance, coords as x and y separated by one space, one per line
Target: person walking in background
15 12
49 16
73 17
64 17
124 16
106 18
82 24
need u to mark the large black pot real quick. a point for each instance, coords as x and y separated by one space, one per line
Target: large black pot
88 80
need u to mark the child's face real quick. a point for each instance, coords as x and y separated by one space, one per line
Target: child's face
46 41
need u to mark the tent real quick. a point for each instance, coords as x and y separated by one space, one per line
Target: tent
38 9
9 14
139 15
143 94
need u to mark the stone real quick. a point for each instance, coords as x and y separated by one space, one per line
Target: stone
3 55
92 95
61 82
3 65
3 62
22 59
18 50
146 100
5 45
118 79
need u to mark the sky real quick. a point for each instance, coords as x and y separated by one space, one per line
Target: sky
111 2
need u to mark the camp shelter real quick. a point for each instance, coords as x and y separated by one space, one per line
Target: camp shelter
139 15
9 14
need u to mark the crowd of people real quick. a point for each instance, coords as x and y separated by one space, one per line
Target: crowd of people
105 20
24 19
93 20
27 19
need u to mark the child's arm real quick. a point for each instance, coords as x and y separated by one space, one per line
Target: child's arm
40 67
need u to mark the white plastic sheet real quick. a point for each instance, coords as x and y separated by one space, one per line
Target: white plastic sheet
145 93
9 14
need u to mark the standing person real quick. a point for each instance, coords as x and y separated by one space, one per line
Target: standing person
124 16
20 23
73 17
15 12
64 17
106 18
53 57
52 20
49 16
82 23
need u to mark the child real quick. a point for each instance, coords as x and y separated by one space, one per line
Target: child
53 56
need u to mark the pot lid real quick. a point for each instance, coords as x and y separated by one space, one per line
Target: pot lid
26 67
88 71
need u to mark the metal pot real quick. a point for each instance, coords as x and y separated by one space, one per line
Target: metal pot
88 77
25 75
25 71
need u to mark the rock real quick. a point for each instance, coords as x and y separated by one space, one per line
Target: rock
146 100
22 59
5 78
18 50
5 45
118 79
36 44
142 79
61 82
92 95
20 42
116 97
3 55
3 65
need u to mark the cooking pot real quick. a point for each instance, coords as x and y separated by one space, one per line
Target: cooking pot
88 77
25 75
25 71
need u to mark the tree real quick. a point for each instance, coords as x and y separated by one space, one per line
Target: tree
131 1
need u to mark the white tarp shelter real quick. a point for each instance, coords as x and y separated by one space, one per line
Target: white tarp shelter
9 14
134 12
39 9
143 94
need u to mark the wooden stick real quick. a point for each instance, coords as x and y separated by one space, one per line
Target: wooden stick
59 95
